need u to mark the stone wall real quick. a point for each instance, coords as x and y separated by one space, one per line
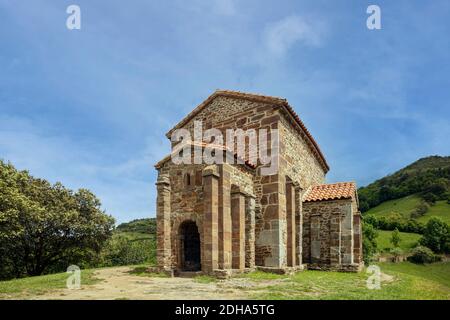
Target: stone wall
331 235
297 162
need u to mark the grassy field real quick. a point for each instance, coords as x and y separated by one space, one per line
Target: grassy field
441 209
404 281
404 207
32 286
408 240
399 281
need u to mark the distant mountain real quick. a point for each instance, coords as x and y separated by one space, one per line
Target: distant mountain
146 225
428 178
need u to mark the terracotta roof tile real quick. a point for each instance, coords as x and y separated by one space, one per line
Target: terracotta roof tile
260 98
333 191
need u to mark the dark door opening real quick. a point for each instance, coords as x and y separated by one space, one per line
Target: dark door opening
190 246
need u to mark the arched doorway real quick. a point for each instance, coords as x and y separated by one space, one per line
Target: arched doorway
190 246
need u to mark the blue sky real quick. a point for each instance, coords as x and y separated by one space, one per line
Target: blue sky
90 107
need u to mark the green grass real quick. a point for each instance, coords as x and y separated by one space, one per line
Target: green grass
408 240
261 276
409 282
41 284
135 236
441 209
438 272
403 206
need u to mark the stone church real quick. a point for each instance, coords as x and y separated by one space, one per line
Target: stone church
226 218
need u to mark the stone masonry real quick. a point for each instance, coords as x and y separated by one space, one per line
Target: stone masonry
229 217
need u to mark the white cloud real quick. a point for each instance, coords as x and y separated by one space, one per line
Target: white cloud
282 35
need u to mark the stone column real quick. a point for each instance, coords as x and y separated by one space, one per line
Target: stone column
298 226
225 217
357 238
290 218
347 236
271 240
238 228
210 250
164 253
250 232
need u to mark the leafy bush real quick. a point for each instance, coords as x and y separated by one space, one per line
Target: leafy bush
423 255
395 222
370 235
436 236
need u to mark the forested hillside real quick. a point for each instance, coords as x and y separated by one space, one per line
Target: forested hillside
429 178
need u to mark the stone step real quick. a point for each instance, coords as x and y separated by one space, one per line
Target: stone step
188 274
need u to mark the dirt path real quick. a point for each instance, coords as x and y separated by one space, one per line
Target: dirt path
118 283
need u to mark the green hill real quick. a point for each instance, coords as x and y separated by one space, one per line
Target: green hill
428 178
406 205
143 226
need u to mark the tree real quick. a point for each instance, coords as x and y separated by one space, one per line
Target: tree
395 238
370 235
45 228
436 236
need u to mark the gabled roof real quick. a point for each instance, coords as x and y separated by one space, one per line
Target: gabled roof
333 191
275 101
179 147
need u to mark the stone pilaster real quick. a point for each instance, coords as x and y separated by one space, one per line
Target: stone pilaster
238 228
290 221
210 248
250 232
271 240
347 236
298 226
163 222
357 238
225 217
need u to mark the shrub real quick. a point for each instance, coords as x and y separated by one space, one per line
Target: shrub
369 242
395 238
396 254
436 236
420 210
122 251
392 223
422 255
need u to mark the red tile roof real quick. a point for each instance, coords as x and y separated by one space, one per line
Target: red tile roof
333 191
276 101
